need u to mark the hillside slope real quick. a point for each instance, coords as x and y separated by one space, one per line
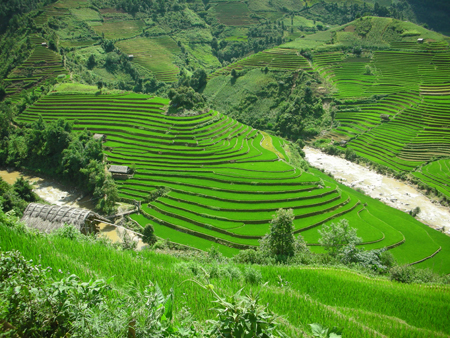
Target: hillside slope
207 179
362 306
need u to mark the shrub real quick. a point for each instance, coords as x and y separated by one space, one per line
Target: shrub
24 189
367 259
252 276
128 243
251 256
242 316
337 236
350 154
149 236
414 212
155 194
67 231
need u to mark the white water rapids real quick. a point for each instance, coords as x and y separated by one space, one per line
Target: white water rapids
386 189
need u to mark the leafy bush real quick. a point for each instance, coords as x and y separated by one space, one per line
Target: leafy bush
242 316
409 274
337 236
155 194
252 276
148 233
67 231
320 331
251 256
368 259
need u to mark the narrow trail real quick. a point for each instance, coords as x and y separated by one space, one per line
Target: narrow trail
386 189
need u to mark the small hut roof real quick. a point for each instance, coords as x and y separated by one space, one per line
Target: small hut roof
98 136
119 169
47 218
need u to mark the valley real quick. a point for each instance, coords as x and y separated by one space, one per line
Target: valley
295 151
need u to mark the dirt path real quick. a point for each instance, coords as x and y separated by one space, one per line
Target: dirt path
386 189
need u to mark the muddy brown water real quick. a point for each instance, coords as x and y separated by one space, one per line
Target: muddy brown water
388 190
55 193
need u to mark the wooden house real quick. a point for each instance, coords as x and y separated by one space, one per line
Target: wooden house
119 171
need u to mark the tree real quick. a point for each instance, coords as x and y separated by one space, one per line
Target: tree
110 196
25 191
149 234
198 79
91 61
2 91
186 97
281 239
336 237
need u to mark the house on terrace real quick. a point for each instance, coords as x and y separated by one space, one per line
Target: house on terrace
101 137
47 218
119 171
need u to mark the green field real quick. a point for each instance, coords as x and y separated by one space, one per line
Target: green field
155 54
233 13
226 179
120 29
42 64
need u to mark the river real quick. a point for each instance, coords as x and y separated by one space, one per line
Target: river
390 191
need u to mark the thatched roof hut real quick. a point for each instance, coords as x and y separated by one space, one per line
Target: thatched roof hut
118 169
47 218
100 137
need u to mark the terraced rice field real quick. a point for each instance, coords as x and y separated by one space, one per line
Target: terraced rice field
437 175
42 64
226 180
274 59
155 54
123 29
408 127
233 13
391 72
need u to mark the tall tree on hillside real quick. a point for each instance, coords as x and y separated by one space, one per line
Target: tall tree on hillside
281 239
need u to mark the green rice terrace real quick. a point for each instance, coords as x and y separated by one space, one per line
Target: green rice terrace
393 103
274 59
225 180
42 64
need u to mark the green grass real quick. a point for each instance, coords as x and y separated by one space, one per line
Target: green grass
363 306
120 29
233 13
86 14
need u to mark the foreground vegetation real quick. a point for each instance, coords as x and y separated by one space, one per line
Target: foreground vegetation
332 296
